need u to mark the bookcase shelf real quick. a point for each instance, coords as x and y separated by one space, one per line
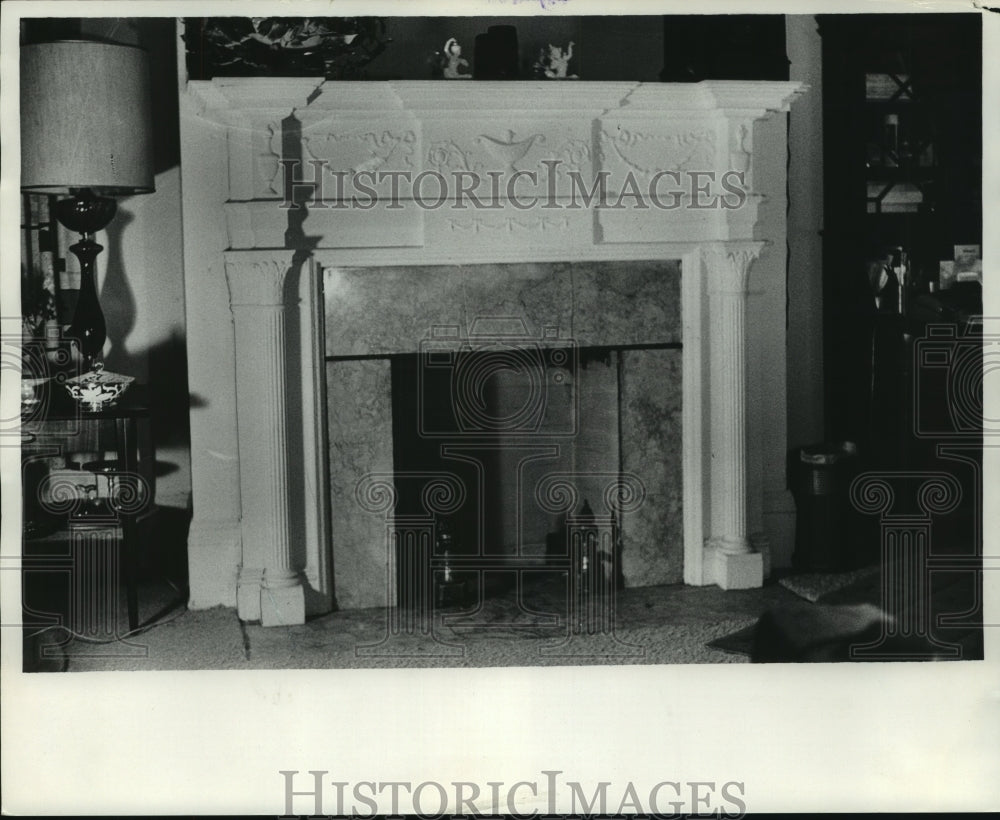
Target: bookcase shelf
902 181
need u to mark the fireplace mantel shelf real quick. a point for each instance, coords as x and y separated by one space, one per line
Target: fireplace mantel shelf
247 254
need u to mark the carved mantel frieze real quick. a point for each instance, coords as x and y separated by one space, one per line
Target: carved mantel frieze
652 157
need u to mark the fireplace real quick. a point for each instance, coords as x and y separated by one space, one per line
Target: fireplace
515 375
673 315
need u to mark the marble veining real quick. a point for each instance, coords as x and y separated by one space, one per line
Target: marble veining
390 310
650 405
360 439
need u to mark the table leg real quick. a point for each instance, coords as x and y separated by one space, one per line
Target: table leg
127 445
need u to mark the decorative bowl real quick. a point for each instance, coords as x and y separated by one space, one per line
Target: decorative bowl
98 389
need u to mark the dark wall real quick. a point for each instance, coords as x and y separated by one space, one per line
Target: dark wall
628 47
724 47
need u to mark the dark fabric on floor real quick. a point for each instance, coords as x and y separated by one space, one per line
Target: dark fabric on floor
848 622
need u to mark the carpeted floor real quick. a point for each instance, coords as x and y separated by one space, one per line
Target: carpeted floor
656 625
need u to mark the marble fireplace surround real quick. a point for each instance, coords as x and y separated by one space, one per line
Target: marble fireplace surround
260 537
610 414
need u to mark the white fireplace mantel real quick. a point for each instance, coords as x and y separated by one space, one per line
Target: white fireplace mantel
254 317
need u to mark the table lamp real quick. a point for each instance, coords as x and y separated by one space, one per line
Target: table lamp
86 132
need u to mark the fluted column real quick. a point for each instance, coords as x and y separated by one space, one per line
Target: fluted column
731 556
270 584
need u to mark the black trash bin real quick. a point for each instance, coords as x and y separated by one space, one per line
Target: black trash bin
820 485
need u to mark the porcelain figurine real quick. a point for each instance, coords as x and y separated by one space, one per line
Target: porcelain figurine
454 62
555 64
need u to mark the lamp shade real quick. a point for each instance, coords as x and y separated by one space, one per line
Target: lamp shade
85 118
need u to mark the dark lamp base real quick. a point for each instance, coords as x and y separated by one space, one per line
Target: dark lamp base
85 212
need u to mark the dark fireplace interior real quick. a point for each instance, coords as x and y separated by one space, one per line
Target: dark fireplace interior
500 415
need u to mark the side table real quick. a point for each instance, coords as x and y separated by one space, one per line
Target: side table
129 493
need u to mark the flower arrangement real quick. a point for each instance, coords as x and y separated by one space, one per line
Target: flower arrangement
38 305
337 48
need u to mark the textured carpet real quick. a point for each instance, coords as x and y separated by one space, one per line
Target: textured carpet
655 625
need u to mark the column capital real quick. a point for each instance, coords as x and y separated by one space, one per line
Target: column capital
728 264
936 493
258 279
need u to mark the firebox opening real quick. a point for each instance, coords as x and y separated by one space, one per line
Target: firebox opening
503 419
524 390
